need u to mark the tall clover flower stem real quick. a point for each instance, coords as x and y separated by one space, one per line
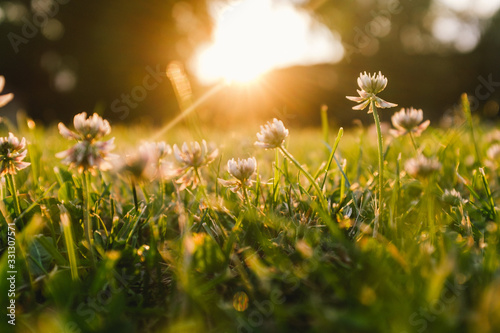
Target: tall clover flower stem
161 184
201 186
11 183
276 177
87 222
246 197
380 165
412 137
430 211
308 176
370 86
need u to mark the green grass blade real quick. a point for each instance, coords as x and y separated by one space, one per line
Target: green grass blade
70 245
487 188
468 116
53 251
324 122
332 156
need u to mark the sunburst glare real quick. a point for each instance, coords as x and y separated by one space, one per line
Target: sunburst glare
253 37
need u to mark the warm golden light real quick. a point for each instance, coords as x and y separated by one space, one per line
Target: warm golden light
253 37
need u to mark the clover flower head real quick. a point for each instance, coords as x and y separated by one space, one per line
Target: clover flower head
162 149
272 135
91 128
194 154
493 152
12 154
493 137
370 86
409 121
162 168
88 153
242 171
422 167
147 163
191 157
4 99
136 164
91 156
453 197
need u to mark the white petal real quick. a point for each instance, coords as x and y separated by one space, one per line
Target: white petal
355 99
65 132
380 103
4 99
361 106
79 121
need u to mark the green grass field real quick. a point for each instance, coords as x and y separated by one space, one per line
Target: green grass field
274 256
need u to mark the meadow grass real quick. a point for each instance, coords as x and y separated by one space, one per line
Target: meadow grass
277 259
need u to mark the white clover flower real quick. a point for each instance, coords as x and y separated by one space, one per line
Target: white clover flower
91 128
88 153
4 99
370 86
422 167
493 137
137 164
272 135
12 154
453 197
409 121
493 152
242 171
195 155
162 149
191 157
148 162
163 169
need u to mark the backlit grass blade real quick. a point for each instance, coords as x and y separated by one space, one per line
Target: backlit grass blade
324 122
70 245
468 116
332 156
487 188
343 168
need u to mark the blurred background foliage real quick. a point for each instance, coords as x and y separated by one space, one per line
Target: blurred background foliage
61 57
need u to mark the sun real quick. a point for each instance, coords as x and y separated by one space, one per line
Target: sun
253 37
231 64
